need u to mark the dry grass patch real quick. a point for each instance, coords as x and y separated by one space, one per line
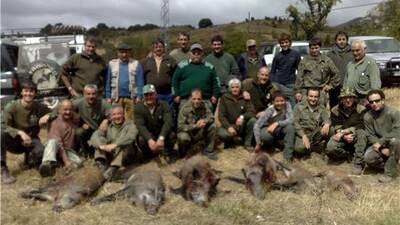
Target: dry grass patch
376 204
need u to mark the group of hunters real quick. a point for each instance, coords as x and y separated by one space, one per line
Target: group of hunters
166 103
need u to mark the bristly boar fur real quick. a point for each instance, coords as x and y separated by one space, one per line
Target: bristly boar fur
70 190
199 181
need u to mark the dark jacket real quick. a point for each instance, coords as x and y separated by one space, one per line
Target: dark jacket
284 66
91 115
230 108
82 69
151 126
260 94
16 117
160 79
343 119
341 57
381 126
248 69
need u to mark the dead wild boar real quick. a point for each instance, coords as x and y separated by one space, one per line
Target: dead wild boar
339 180
259 174
199 181
144 189
70 190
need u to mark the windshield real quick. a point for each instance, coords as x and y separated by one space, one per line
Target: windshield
382 45
302 49
56 53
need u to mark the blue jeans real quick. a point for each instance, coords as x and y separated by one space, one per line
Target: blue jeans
167 98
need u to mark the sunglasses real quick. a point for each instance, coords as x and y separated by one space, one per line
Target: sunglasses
374 101
197 52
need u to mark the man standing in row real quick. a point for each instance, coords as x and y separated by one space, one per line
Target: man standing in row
341 56
250 62
316 70
124 81
284 66
194 73
84 68
224 63
362 73
158 71
182 52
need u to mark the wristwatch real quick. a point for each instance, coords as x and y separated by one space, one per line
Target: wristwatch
161 138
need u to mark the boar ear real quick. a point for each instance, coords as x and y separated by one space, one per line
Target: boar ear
196 174
176 173
218 172
244 173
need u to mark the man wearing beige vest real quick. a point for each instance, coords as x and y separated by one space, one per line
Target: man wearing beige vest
124 80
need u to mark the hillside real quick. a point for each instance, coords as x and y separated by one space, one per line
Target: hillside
235 35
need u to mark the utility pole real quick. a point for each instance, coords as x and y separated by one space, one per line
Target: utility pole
248 25
165 21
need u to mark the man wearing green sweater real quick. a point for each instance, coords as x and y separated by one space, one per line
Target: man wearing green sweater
224 63
195 74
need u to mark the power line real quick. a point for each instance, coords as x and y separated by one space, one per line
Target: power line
357 6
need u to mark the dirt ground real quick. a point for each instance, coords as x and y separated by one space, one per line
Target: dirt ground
376 204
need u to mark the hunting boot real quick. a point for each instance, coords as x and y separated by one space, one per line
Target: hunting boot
110 172
101 164
357 169
6 177
390 170
47 169
210 154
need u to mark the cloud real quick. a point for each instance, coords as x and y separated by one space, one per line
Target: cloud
38 13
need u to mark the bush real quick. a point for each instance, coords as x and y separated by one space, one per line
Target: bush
205 22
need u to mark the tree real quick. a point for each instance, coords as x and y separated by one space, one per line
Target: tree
102 26
205 22
312 20
46 30
389 18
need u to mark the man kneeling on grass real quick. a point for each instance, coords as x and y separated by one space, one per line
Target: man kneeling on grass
61 140
382 124
237 116
276 123
114 142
